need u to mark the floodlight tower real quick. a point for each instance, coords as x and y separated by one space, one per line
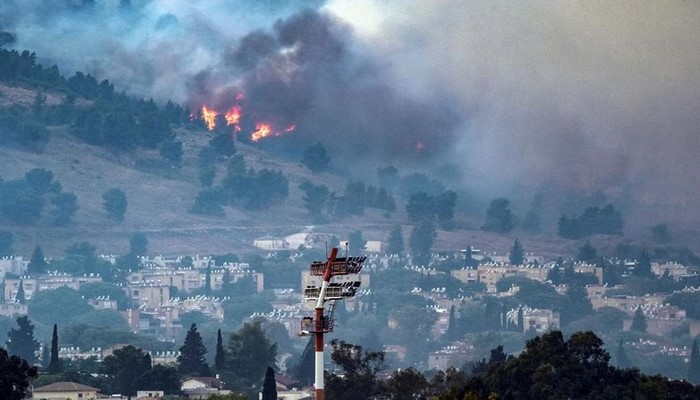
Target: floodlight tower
332 292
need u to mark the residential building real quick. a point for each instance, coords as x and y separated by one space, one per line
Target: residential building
65 391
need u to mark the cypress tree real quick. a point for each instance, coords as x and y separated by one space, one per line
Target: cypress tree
207 282
55 363
694 367
451 331
37 264
521 320
220 357
639 322
621 358
269 391
517 254
20 298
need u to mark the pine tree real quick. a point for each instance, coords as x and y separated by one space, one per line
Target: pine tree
19 297
55 363
694 367
517 254
37 264
304 372
191 360
21 341
220 357
269 391
639 322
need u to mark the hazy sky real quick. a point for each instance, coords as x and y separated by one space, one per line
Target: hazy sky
588 94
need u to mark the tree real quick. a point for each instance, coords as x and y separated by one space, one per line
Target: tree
356 241
304 371
207 281
621 358
21 341
421 242
171 151
407 384
20 297
37 263
55 362
66 205
138 244
577 304
639 321
124 366
643 267
315 158
445 208
62 304
15 376
660 233
315 198
694 365
395 241
250 353
451 332
517 254
359 371
220 356
499 217
269 391
587 252
388 177
115 204
160 377
192 360
7 239
420 206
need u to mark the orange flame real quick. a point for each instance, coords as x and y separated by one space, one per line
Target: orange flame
209 117
290 128
233 117
262 130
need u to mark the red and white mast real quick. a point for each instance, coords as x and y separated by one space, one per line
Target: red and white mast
320 323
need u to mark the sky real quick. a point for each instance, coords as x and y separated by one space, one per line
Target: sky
509 96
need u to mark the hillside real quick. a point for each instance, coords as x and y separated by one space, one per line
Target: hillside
159 198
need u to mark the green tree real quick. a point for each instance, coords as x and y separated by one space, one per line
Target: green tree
138 244
421 242
420 206
192 360
171 151
639 321
643 267
37 263
7 240
517 254
249 354
356 241
407 384
622 360
20 202
445 209
587 252
499 217
62 304
55 362
359 372
20 297
160 377
269 390
66 205
124 366
694 365
220 356
395 241
304 371
315 198
577 304
15 376
660 233
21 341
316 158
115 204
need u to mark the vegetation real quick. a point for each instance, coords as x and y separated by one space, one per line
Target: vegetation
15 376
191 360
606 220
21 341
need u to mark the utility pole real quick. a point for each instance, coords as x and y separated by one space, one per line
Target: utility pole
329 291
